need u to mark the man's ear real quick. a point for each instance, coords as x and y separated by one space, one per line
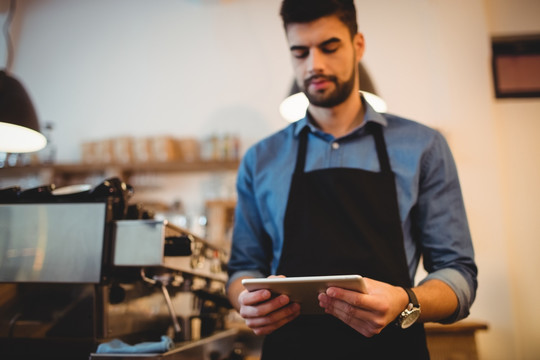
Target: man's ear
359 45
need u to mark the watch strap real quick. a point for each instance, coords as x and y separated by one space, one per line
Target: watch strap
412 297
411 312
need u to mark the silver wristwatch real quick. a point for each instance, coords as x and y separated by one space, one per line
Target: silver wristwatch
411 312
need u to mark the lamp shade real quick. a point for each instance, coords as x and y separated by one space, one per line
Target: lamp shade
19 127
294 107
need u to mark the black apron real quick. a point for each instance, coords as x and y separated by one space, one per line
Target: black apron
343 221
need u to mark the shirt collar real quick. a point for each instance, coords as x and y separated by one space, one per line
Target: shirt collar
370 115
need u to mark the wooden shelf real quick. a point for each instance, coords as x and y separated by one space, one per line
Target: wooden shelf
460 327
17 171
128 169
454 341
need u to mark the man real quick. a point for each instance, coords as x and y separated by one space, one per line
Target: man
347 190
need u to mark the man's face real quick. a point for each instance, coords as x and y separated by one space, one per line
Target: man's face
325 60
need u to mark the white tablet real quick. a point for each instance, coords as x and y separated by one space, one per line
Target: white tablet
305 289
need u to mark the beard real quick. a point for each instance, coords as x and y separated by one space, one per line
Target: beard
335 97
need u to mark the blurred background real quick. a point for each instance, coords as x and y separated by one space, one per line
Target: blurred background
219 69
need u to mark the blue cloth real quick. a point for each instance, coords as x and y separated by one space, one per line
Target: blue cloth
117 346
430 201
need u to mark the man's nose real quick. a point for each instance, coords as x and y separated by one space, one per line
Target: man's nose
315 61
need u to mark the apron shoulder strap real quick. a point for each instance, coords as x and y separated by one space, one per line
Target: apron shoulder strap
302 149
377 131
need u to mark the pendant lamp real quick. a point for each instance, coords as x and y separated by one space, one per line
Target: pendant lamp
294 107
19 127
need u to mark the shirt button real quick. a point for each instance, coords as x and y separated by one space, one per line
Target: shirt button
335 145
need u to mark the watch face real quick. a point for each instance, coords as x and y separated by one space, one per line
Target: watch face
409 318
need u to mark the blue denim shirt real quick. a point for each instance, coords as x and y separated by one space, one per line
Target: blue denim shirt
430 201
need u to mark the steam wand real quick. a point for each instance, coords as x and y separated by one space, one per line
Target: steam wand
163 281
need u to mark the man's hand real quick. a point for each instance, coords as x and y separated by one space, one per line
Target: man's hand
262 312
366 313
370 313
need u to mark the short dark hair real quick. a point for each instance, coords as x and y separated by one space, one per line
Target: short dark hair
304 11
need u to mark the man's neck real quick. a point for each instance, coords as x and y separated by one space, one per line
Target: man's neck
341 119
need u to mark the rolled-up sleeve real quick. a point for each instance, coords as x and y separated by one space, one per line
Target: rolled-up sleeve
443 228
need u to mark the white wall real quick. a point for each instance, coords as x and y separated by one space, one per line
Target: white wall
518 126
192 67
151 67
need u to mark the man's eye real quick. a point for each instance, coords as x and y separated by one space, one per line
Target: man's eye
329 49
300 54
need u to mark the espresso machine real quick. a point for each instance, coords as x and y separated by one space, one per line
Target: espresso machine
80 271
